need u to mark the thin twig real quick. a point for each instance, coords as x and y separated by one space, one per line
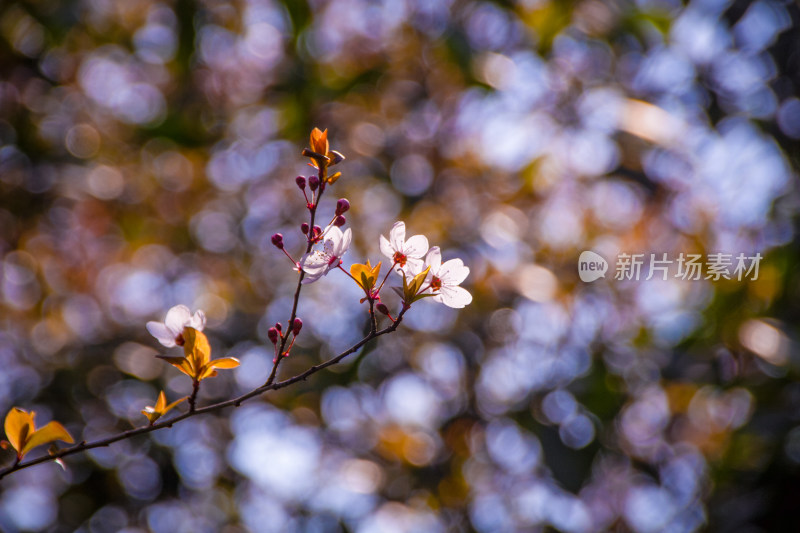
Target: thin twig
193 397
285 336
235 402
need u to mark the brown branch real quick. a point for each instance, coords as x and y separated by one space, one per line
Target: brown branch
235 402
193 397
285 336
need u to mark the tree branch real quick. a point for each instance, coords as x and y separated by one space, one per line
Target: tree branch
285 336
235 402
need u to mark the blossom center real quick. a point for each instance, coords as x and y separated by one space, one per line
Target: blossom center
436 284
179 340
400 258
332 260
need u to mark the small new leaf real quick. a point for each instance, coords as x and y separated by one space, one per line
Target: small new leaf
321 155
23 436
161 407
197 362
411 289
319 141
366 276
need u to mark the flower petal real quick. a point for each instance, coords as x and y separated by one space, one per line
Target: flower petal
397 235
453 272
344 243
434 260
386 248
198 321
412 267
177 318
314 262
161 333
416 246
455 297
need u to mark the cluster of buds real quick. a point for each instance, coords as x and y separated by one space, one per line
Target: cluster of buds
276 337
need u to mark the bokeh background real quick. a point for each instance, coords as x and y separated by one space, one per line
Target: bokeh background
148 150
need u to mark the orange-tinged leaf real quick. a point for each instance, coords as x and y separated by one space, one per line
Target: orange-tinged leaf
208 372
332 179
161 408
173 404
151 414
225 362
161 403
366 275
319 141
181 363
18 426
52 431
196 347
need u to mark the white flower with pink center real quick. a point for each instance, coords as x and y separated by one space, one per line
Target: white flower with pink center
319 262
170 332
409 254
444 279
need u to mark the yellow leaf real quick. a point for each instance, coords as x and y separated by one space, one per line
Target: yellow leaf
332 179
365 275
207 372
319 141
161 408
181 363
50 432
173 404
161 402
225 362
18 425
196 347
151 414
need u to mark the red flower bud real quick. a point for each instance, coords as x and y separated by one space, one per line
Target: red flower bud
342 206
277 240
297 325
381 307
272 333
278 327
316 231
313 183
339 221
304 228
301 182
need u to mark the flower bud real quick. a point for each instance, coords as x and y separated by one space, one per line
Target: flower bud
304 228
278 327
342 206
381 307
277 240
301 182
316 231
272 333
297 325
313 183
339 221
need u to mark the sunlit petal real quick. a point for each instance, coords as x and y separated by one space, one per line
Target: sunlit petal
416 246
177 318
161 333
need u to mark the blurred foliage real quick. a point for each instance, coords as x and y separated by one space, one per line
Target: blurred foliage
148 150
